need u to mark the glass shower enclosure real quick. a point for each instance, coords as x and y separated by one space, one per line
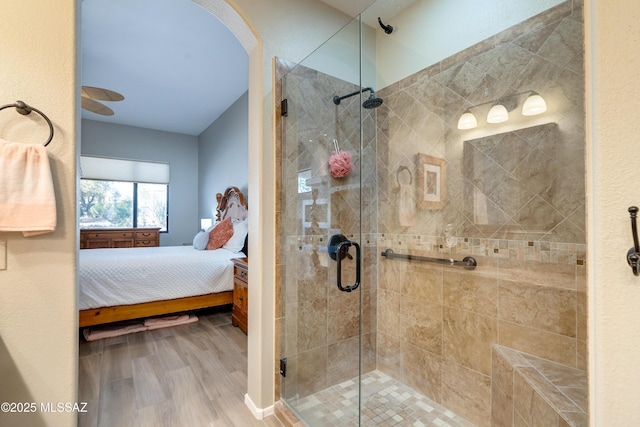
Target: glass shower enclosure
433 218
329 203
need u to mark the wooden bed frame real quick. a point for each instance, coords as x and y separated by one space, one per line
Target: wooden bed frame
227 205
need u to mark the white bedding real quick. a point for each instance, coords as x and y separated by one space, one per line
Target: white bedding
120 276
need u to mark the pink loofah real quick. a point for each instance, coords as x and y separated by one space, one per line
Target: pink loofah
340 163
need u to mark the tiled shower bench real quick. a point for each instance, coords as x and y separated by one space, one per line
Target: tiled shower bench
531 391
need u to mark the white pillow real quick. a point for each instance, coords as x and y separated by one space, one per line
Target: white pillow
201 240
236 242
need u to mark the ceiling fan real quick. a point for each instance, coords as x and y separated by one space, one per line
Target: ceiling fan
91 95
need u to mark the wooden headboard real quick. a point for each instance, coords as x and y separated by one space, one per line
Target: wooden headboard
231 203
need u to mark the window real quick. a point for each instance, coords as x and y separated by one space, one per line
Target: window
123 193
113 204
303 186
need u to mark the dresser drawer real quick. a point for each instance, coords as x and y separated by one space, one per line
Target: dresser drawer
241 274
148 235
109 235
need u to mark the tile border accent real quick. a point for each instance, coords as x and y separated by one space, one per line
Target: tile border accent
520 250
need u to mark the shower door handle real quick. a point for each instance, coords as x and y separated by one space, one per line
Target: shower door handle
344 246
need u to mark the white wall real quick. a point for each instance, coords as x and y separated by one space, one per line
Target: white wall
179 150
432 30
223 150
38 317
339 56
612 65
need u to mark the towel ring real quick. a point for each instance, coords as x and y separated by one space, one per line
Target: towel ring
25 109
400 169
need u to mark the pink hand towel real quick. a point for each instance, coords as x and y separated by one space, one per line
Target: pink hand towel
27 199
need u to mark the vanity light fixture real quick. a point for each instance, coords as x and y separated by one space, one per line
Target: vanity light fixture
499 112
534 105
467 120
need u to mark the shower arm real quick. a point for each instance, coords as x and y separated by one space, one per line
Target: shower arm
337 99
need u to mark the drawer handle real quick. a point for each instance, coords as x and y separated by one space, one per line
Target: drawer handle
146 234
241 298
243 273
145 242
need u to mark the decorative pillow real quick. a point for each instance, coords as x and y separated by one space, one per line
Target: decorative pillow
220 234
236 243
201 240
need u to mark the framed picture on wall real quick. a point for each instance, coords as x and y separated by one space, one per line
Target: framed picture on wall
431 182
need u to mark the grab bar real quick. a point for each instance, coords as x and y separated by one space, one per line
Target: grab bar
469 263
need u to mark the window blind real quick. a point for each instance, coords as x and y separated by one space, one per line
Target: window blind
124 170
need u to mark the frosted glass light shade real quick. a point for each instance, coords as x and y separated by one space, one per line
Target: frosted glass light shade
467 121
498 114
534 105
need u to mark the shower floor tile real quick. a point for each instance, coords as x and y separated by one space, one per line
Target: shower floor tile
385 402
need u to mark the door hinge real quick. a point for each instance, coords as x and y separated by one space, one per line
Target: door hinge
284 107
283 367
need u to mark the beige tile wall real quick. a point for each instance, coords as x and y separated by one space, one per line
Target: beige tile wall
437 325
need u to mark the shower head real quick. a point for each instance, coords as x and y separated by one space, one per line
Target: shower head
372 102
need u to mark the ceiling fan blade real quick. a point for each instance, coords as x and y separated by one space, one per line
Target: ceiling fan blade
101 94
96 107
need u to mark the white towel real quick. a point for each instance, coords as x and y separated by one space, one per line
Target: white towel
406 205
27 199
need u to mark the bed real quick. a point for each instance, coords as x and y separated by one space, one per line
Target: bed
130 283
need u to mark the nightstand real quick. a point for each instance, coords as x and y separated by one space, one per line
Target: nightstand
240 293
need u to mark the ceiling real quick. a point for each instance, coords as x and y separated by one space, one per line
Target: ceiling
178 67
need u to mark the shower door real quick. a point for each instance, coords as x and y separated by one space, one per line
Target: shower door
328 212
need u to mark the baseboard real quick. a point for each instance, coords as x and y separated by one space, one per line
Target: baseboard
258 413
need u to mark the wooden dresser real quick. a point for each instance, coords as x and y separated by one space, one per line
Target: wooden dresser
95 238
240 293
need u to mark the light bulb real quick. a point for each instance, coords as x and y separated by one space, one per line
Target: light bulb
534 105
498 114
467 121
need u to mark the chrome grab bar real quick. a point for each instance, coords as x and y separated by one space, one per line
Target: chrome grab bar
469 263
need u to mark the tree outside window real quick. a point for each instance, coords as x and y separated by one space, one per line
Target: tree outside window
114 204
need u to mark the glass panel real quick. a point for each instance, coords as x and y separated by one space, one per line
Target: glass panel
322 161
437 179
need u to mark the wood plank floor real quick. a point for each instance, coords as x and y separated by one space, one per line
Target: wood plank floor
191 375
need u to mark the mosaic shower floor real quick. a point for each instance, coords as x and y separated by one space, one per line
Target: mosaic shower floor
385 402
